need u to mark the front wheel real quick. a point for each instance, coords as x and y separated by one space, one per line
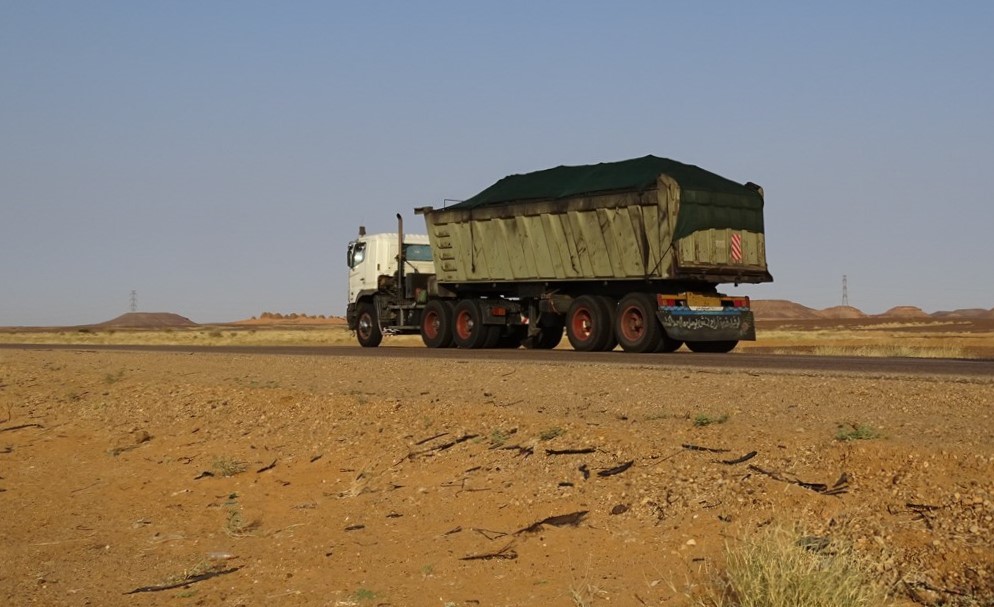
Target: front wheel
712 347
436 324
367 328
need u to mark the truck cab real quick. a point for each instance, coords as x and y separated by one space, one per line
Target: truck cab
376 286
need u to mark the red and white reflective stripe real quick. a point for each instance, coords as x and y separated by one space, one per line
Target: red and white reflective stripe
736 247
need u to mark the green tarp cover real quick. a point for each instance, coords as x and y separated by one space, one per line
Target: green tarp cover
707 200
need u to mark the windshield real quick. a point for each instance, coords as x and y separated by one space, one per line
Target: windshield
357 253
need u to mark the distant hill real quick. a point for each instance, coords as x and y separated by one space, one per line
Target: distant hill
905 312
841 312
148 320
963 313
781 309
275 318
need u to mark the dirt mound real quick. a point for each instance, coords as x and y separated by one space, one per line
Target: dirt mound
963 313
905 312
148 320
841 312
777 309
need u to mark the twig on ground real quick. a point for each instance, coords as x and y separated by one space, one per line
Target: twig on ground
21 427
504 553
560 520
617 469
186 582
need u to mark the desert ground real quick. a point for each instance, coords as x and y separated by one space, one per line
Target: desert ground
145 478
237 479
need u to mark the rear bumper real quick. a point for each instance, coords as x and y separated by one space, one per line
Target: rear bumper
691 325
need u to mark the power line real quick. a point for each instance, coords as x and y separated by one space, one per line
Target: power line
134 300
845 290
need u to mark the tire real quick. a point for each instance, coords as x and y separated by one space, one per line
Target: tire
588 324
637 327
468 330
367 327
512 337
549 335
611 309
667 344
712 347
436 324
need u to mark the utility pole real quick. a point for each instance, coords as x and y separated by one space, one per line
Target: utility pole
134 300
845 291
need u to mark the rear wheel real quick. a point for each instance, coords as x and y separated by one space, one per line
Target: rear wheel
468 330
611 309
713 347
588 324
367 328
549 335
638 329
436 324
512 336
667 345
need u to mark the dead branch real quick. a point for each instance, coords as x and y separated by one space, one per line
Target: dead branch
840 487
430 438
582 451
522 451
616 469
490 535
699 448
21 427
739 460
560 520
265 468
504 553
193 579
443 446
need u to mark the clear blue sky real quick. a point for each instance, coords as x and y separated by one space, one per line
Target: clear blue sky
217 156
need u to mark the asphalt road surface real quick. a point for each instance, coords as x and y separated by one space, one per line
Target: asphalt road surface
741 361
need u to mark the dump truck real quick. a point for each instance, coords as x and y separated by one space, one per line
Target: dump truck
626 253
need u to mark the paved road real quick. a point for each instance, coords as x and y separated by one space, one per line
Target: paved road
753 361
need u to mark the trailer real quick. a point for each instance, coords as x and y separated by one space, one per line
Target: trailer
626 253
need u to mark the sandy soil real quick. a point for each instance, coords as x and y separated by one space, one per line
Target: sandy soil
347 481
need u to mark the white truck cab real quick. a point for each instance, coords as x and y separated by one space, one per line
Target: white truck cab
375 255
383 297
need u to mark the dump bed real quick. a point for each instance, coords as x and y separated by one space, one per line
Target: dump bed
647 218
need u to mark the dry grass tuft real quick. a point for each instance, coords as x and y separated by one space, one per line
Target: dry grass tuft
780 567
892 351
